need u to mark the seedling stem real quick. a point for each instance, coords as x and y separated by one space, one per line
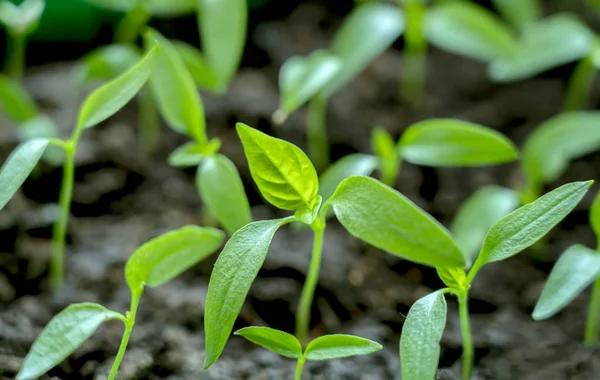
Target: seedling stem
299 367
318 150
414 58
16 58
465 328
129 322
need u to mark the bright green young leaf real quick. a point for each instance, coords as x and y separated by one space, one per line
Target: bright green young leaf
352 164
63 335
551 42
284 174
112 96
166 256
523 227
520 13
339 346
14 101
449 142
21 19
469 29
421 336
479 213
301 78
389 160
386 219
233 274
366 33
222 191
107 62
453 277
222 27
17 167
174 90
553 144
197 66
277 341
595 216
574 271
308 213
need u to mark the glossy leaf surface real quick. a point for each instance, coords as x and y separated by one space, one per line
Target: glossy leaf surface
277 341
15 103
339 346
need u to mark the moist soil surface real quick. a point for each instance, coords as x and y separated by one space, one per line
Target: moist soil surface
124 197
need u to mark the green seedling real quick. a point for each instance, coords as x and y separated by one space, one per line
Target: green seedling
153 264
287 179
576 269
20 21
384 218
323 348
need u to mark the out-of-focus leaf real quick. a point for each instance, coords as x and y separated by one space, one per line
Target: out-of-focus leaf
162 8
520 13
21 19
595 216
197 66
352 164
15 103
107 62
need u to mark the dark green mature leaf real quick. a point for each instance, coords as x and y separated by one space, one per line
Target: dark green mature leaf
520 13
21 19
352 164
17 167
14 101
112 96
63 334
449 142
367 32
552 145
551 42
595 216
284 174
223 33
421 336
174 90
381 216
107 62
523 227
470 30
479 213
277 341
233 274
574 271
166 256
197 66
339 346
222 191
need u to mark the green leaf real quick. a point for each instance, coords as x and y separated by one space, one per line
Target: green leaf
301 78
554 143
574 271
523 227
222 27
192 153
595 216
161 8
389 160
284 174
470 30
63 335
174 90
233 274
366 33
520 13
277 341
449 142
551 42
308 213
15 103
196 65
421 336
168 255
453 277
352 164
107 62
479 213
21 19
381 216
17 167
339 346
222 191
112 96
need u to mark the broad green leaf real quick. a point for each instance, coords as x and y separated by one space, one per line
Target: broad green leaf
112 96
468 29
277 341
574 271
64 334
14 101
339 346
479 213
162 8
449 142
174 90
284 174
233 274
352 164
553 144
548 43
222 191
107 62
17 167
386 219
595 216
301 78
520 13
166 256
222 25
192 153
366 33
421 336
21 19
197 66
453 277
523 227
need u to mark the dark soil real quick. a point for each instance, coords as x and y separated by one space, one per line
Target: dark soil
123 198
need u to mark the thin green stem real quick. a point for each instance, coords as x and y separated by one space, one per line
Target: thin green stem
318 150
465 328
308 291
130 321
591 327
412 81
390 168
15 65
130 26
299 368
580 85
